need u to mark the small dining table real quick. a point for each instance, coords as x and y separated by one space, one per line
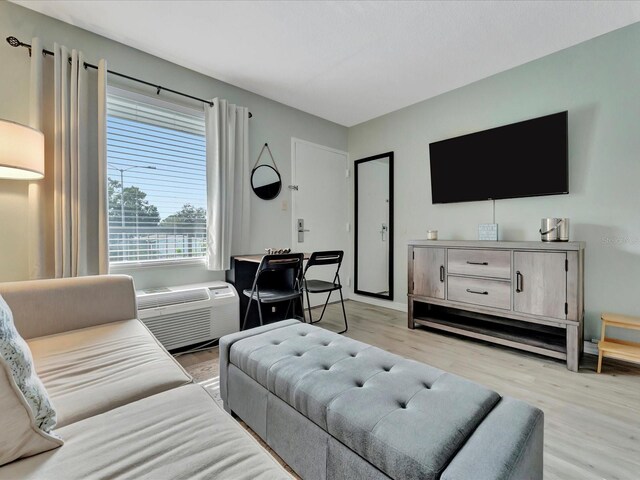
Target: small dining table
241 276
258 257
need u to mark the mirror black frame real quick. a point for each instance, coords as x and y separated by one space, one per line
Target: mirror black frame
357 163
253 188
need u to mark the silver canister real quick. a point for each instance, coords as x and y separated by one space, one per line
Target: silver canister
554 229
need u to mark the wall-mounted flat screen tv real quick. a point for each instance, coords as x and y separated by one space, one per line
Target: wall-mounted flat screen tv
524 159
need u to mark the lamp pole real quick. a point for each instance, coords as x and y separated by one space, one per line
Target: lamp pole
122 170
121 197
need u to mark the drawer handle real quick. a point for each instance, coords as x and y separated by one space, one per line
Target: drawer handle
477 263
518 282
477 292
442 273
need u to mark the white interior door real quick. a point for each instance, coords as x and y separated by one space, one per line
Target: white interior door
320 175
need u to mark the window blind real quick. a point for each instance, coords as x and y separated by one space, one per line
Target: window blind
156 169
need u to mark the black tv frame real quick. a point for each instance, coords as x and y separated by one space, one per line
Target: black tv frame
566 115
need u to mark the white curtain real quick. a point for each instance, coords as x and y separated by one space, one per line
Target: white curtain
78 171
227 138
69 239
74 175
36 214
103 202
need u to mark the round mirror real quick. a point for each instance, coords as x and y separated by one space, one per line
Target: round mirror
266 182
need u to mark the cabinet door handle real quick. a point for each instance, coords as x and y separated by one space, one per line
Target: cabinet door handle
442 273
477 292
477 263
518 282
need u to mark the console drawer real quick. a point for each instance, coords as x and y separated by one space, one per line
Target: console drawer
479 291
482 263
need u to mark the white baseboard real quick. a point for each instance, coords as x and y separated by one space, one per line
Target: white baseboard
399 306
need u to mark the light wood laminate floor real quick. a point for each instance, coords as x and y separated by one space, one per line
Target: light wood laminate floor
592 422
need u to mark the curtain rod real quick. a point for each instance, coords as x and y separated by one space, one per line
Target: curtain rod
14 42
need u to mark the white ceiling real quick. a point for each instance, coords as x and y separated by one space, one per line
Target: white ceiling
346 61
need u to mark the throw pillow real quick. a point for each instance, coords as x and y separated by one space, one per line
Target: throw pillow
28 416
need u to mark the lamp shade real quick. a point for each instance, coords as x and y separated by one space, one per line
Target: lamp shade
21 152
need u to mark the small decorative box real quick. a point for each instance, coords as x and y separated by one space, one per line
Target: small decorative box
488 231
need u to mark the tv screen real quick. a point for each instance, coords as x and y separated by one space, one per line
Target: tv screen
524 159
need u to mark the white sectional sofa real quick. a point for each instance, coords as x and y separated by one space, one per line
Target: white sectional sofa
125 408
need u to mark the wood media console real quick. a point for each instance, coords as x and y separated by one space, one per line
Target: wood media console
526 295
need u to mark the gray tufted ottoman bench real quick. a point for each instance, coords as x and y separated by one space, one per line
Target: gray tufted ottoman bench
333 408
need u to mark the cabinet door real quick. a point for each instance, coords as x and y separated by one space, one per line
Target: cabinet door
540 283
428 272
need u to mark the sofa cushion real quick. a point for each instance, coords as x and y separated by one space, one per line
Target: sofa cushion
95 369
180 433
406 418
27 414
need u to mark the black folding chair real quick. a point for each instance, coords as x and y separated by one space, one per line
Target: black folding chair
333 257
291 262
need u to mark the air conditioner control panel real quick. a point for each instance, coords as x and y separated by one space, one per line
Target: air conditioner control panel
222 291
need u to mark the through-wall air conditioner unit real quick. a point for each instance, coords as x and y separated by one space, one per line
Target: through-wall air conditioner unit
189 314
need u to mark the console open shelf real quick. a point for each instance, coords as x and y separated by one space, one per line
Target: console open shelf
549 341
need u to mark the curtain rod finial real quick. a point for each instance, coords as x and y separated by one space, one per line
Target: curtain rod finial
13 41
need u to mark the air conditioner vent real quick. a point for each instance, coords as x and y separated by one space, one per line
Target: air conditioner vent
181 328
190 314
156 290
172 298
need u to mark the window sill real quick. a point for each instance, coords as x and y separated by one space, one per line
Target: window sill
185 262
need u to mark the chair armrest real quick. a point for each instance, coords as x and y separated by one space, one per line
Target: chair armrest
46 307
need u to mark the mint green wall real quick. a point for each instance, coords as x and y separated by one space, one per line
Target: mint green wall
272 122
598 82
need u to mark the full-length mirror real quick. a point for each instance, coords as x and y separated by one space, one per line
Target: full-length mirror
374 226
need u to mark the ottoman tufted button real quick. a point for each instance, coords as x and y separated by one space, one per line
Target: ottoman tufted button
298 354
359 384
402 405
387 369
327 367
353 355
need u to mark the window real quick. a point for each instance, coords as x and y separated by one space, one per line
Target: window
156 180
